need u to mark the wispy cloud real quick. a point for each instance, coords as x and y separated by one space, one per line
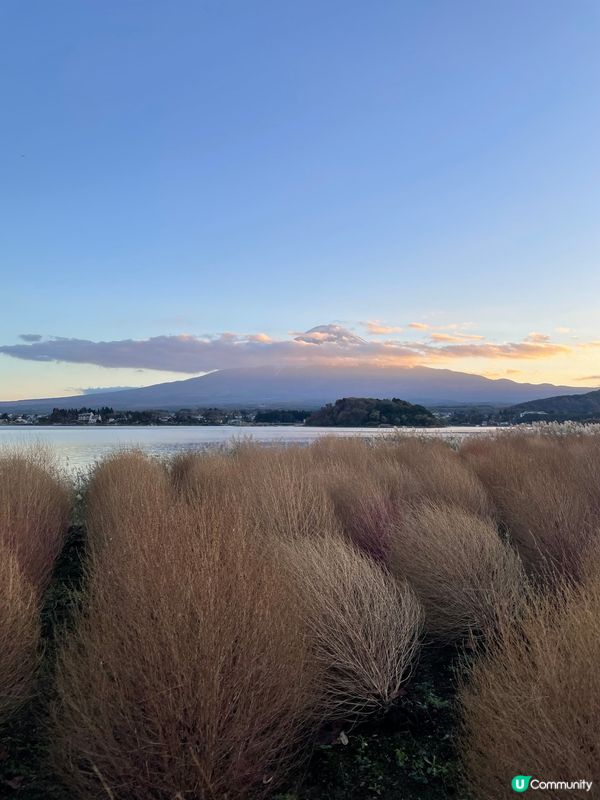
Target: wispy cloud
456 337
325 344
30 337
536 337
95 389
378 328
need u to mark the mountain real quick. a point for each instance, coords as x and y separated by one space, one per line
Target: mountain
570 406
307 387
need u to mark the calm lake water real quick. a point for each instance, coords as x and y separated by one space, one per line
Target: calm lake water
78 447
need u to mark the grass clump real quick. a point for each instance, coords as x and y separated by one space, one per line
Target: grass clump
531 703
19 635
363 626
35 504
546 494
459 567
206 653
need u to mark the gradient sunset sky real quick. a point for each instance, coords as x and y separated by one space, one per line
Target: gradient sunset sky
187 186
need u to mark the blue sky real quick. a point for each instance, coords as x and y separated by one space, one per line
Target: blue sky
201 168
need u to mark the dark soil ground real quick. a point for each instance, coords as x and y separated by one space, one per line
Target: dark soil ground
408 754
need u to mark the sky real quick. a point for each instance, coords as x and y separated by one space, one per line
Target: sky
195 185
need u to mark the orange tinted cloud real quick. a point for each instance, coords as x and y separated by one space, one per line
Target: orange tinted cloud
534 336
529 350
456 337
325 344
378 328
259 337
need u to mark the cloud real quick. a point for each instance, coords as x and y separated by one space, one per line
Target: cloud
259 337
524 350
534 336
330 334
420 326
96 389
456 337
30 337
377 328
563 329
332 345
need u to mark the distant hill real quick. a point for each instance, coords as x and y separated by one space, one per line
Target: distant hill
307 387
367 412
570 406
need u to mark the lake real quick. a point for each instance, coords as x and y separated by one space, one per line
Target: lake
78 447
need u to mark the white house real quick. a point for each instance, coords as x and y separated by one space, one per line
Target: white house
89 417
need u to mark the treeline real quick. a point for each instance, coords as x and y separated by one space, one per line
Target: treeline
367 412
68 416
281 416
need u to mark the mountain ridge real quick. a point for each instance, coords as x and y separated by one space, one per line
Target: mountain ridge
308 387
568 405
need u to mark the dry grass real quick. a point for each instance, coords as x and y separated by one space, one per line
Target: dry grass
546 492
532 703
202 477
197 682
238 600
439 475
281 492
126 489
206 665
19 635
35 503
364 626
459 568
372 484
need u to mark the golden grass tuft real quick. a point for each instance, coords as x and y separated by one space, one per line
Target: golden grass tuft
372 484
439 475
460 569
546 493
198 683
19 635
35 503
363 626
531 704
